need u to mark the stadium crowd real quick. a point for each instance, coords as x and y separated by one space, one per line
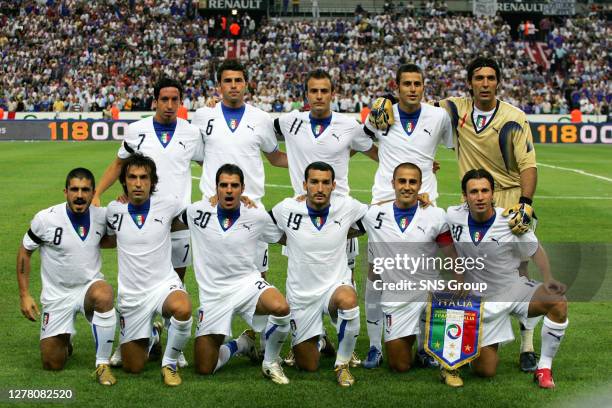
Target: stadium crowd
85 56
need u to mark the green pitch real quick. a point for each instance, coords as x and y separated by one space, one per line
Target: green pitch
571 206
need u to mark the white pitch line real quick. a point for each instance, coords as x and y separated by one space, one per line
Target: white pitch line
584 173
545 197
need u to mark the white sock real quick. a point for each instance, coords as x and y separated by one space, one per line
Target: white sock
154 339
421 336
552 334
374 315
179 333
226 351
275 334
348 326
103 328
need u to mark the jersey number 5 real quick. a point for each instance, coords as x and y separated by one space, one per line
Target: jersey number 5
379 219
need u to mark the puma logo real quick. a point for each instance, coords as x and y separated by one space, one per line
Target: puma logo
338 222
495 129
427 131
336 136
247 226
97 232
421 228
250 127
183 144
373 322
555 336
158 220
495 240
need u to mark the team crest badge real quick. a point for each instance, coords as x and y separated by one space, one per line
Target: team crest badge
453 328
480 121
388 321
477 237
226 223
82 231
403 224
318 221
139 219
164 138
318 130
409 126
233 124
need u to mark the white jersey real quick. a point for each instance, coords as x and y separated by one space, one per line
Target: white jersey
333 146
396 146
66 260
144 254
317 257
173 161
500 250
242 147
224 258
419 241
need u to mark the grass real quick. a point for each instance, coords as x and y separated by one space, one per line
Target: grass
32 176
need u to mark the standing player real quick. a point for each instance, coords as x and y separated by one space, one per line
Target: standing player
401 227
235 132
318 278
148 284
69 236
323 135
415 132
172 143
496 136
479 229
225 237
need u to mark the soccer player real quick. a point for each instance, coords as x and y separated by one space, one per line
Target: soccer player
148 285
414 136
480 230
225 237
173 143
494 135
236 132
318 277
323 135
400 227
69 236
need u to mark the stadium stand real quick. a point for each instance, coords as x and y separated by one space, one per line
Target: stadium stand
78 55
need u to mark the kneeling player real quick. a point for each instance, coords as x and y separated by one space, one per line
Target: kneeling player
318 279
225 239
69 236
148 284
400 226
481 231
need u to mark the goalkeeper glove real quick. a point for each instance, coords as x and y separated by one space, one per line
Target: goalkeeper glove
521 218
381 116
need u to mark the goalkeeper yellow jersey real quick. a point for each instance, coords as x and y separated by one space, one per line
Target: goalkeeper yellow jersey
504 146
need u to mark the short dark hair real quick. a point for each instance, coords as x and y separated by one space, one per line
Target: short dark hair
318 74
482 62
230 169
81 173
408 68
139 160
319 165
407 165
166 82
231 65
476 174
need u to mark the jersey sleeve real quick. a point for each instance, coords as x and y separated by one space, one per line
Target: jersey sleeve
277 215
360 140
369 130
267 134
130 144
34 238
523 147
110 223
198 118
526 245
358 211
446 132
271 232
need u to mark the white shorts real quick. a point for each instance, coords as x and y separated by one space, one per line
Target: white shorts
58 317
181 249
402 319
307 320
497 325
136 318
215 316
